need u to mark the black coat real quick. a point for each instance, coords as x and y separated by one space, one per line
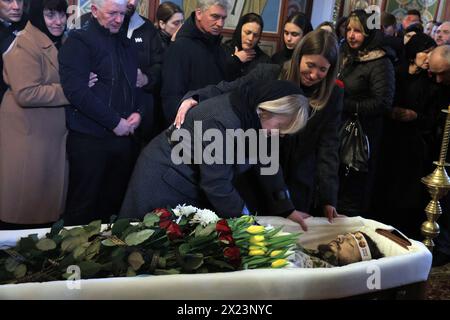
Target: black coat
369 90
406 155
308 159
235 68
157 182
7 36
193 61
282 56
150 51
146 39
96 111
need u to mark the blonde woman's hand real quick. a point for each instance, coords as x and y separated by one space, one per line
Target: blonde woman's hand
185 106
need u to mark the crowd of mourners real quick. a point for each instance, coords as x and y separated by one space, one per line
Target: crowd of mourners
88 109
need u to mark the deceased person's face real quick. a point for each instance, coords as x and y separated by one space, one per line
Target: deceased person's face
344 249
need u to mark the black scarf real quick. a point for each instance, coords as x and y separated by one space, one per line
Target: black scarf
246 99
37 20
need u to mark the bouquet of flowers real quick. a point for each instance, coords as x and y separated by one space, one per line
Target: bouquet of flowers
167 241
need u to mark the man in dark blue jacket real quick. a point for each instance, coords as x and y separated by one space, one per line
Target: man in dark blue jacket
196 59
102 119
12 20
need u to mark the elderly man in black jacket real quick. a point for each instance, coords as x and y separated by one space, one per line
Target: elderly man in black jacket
102 119
12 20
196 59
150 53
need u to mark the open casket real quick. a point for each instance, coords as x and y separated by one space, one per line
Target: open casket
401 268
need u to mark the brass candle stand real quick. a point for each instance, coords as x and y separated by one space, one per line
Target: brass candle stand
438 185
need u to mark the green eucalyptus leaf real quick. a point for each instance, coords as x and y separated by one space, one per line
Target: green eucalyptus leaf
205 231
46 244
71 243
120 226
109 243
64 233
89 269
162 262
76 231
78 253
93 228
93 250
184 249
136 260
11 264
219 263
193 261
150 220
137 238
20 271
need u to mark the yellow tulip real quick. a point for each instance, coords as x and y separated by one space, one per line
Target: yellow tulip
256 229
253 253
247 219
257 247
256 239
275 253
280 263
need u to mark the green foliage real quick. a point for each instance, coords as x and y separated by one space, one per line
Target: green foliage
129 249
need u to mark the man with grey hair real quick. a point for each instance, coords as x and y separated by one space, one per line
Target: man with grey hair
196 59
102 119
440 64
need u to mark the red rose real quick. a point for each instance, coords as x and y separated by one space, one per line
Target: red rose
340 83
164 224
227 239
222 227
174 231
232 253
162 213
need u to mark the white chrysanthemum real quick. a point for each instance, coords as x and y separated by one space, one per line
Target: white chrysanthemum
184 210
205 217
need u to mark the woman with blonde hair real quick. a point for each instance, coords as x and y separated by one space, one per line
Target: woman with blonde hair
309 159
165 177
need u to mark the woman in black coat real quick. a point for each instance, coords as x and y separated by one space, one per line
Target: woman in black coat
243 52
168 173
169 19
368 77
296 27
309 159
408 141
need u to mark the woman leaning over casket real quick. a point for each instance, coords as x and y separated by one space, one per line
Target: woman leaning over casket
190 169
33 168
309 159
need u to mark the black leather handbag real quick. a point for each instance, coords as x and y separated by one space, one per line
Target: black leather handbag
354 151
